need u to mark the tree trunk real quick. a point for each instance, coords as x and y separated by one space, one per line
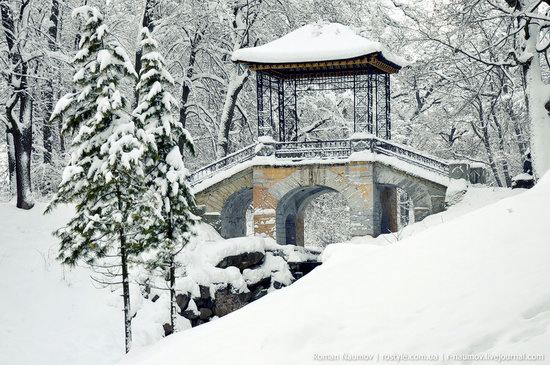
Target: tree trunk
47 128
518 128
11 161
235 86
186 85
173 312
19 107
490 154
125 278
172 275
484 137
22 141
146 21
538 103
125 292
502 150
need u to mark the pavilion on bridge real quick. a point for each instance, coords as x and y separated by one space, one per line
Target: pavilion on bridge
319 58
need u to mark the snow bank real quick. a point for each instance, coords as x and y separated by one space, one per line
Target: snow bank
315 42
476 197
455 191
477 284
50 314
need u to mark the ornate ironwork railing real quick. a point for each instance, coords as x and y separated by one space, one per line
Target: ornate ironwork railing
336 149
314 149
411 155
226 162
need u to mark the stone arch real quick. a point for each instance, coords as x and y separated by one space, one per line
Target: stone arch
427 196
225 202
233 214
287 190
290 213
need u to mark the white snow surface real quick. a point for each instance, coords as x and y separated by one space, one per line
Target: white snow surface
48 314
477 284
54 315
315 42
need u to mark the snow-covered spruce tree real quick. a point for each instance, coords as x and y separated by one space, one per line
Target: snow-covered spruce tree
103 178
172 220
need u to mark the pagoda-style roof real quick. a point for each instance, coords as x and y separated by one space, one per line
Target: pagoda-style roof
320 48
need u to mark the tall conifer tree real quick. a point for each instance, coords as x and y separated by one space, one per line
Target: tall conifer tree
166 175
103 178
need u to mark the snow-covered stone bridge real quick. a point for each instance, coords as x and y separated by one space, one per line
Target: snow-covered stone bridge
279 180
295 161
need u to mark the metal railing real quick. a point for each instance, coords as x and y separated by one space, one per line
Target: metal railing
408 154
314 149
224 163
336 149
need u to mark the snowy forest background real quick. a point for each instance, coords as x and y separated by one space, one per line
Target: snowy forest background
462 97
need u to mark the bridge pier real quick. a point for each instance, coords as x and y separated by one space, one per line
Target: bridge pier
282 193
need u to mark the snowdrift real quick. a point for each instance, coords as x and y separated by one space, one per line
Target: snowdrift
474 286
50 314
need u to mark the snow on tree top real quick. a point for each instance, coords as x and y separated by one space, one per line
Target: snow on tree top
313 43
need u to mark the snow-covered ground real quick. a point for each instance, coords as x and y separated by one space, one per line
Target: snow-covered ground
359 299
474 285
48 314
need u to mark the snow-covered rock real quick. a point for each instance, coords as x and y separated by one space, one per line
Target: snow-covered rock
455 191
221 276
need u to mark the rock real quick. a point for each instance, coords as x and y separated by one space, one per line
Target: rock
197 322
258 293
227 301
303 267
182 300
155 298
278 285
190 315
265 283
205 292
168 330
205 313
204 300
523 181
455 191
146 290
242 261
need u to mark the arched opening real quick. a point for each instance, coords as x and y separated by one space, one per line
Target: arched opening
388 205
290 229
235 215
405 213
295 208
327 220
396 209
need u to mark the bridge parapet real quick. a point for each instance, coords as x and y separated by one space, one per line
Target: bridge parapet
224 163
332 149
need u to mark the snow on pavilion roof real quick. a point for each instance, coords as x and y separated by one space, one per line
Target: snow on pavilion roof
318 42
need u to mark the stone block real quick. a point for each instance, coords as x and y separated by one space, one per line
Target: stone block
459 170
